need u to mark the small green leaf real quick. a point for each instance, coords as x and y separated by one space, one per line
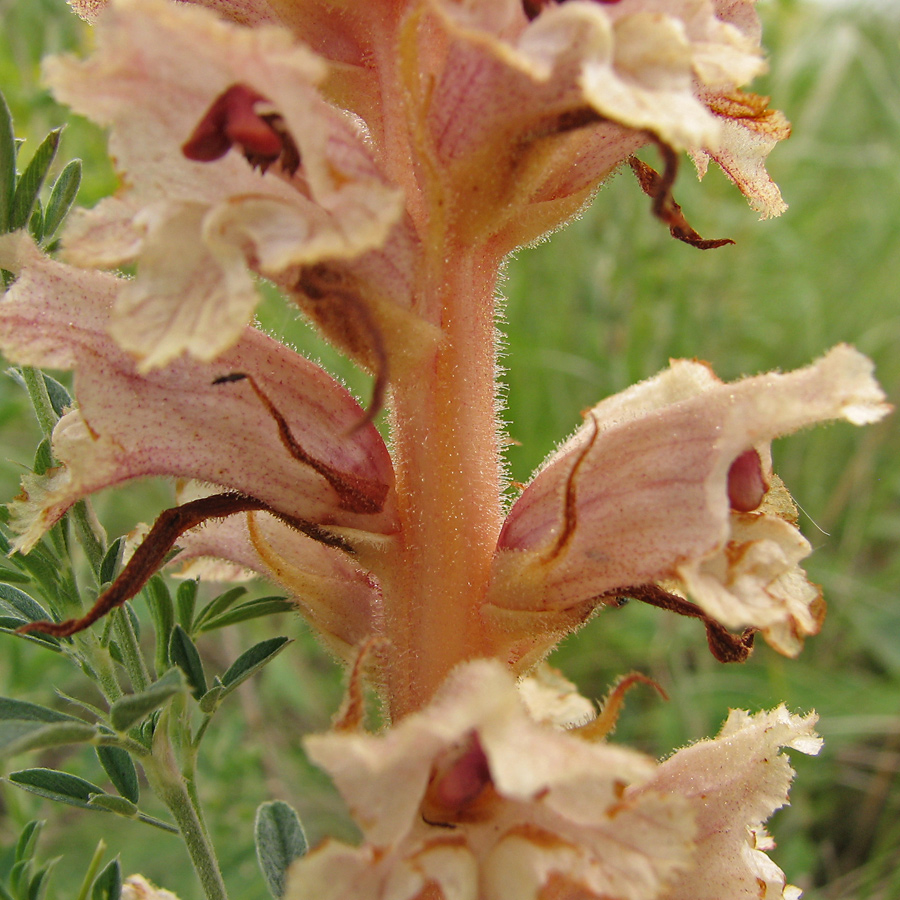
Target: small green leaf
28 839
20 602
183 652
128 711
32 179
219 605
210 700
111 803
252 609
36 222
55 785
19 875
60 398
117 763
7 165
112 559
62 196
9 624
162 610
43 457
21 709
19 735
37 888
279 841
185 603
252 660
108 885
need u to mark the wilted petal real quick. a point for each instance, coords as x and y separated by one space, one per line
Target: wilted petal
177 422
196 228
641 494
749 132
645 69
734 783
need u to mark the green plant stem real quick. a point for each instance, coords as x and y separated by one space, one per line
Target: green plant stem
101 664
40 399
170 785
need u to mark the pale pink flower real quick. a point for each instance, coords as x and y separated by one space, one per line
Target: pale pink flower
471 799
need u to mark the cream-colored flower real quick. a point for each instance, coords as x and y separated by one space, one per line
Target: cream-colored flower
472 799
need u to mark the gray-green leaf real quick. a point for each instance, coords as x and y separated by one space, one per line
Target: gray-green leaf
62 196
7 165
32 179
108 885
279 841
19 735
19 602
183 652
252 609
130 710
55 785
252 660
117 763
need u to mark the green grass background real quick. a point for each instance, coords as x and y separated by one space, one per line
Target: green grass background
602 304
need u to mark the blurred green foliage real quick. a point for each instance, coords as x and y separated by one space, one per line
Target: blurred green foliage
602 304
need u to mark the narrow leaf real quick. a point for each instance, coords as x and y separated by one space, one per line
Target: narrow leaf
21 709
279 841
7 165
60 398
183 652
37 888
55 785
252 660
19 735
36 222
111 803
43 457
32 179
253 609
117 763
21 603
112 559
130 710
28 839
62 196
185 603
9 624
220 604
162 610
210 700
108 885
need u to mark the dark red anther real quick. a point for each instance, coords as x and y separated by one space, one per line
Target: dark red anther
746 485
232 120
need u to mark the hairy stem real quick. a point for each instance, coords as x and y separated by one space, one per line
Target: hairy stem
448 471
